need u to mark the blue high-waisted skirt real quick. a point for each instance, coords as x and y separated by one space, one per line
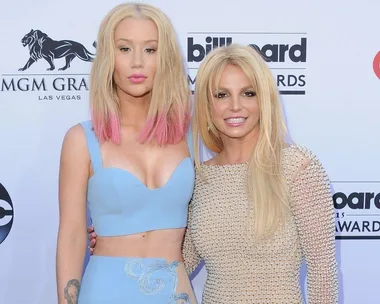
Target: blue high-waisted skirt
120 280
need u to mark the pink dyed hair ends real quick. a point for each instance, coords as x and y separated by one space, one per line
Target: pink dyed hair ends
106 130
165 128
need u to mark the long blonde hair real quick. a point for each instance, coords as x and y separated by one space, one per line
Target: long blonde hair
266 184
169 110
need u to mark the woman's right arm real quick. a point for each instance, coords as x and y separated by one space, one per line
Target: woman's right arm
72 235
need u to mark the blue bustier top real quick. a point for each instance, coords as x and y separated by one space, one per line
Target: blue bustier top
120 204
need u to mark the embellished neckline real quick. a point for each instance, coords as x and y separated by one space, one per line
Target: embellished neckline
238 165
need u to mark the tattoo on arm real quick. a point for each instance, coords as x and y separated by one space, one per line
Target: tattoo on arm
71 291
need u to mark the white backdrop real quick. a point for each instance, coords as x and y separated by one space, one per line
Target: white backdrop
332 108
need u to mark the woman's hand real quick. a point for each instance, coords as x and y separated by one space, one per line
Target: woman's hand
92 238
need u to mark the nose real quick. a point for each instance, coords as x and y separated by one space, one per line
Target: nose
235 103
137 59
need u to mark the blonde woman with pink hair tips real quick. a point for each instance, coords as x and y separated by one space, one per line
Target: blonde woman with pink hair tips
132 165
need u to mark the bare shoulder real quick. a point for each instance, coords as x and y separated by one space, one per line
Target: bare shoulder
75 140
75 135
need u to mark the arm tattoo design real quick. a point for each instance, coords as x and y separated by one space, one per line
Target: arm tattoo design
71 291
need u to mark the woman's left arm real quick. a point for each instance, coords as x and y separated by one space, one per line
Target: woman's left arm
189 252
313 209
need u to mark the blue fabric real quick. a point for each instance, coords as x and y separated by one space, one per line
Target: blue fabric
120 204
120 280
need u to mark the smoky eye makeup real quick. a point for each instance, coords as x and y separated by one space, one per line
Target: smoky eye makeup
250 93
220 94
123 48
150 50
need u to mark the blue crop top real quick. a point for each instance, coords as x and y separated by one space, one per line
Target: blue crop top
120 204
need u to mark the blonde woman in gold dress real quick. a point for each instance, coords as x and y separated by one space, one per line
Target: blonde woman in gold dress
260 206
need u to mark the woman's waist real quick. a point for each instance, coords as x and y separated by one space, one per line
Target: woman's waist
225 269
164 244
255 282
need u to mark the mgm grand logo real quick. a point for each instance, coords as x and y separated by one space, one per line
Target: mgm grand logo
56 86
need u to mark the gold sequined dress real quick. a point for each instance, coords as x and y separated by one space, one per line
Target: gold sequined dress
240 271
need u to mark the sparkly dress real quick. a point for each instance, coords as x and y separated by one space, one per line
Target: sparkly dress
242 271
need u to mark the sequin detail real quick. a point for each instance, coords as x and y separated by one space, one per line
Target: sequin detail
242 271
143 273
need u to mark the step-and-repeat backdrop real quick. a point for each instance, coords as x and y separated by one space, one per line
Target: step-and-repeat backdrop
325 57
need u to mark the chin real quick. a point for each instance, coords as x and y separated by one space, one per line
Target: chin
236 133
138 92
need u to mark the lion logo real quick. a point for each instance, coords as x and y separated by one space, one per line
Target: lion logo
42 46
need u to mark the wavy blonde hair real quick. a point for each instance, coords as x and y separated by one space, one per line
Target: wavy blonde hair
266 184
169 110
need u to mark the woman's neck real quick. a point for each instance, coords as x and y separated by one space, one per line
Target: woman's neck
237 150
134 110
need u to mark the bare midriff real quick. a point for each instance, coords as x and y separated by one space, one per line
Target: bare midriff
164 243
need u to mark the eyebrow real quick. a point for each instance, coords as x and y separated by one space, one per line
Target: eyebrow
242 89
130 41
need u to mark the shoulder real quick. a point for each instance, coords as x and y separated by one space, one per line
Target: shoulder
297 158
298 154
86 126
74 140
78 131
